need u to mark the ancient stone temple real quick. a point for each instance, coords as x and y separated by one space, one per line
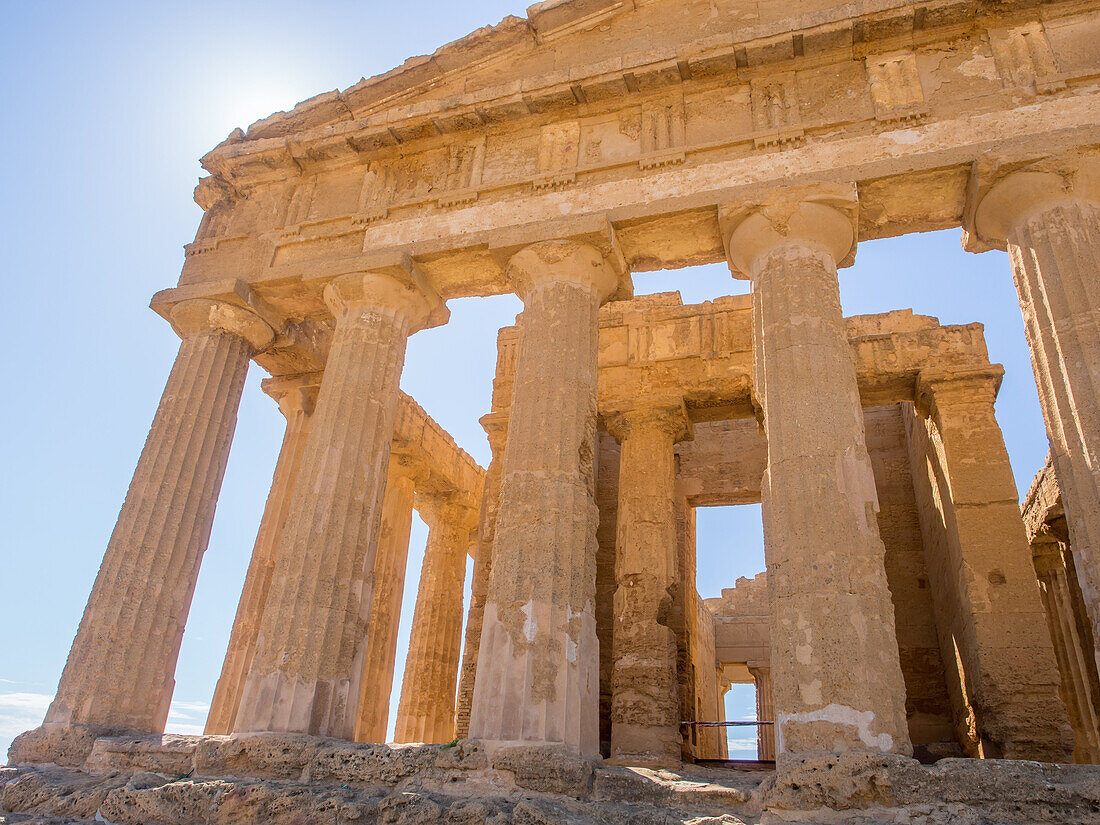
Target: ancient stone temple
922 649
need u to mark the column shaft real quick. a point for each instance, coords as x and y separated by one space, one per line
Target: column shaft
311 649
645 705
479 586
765 712
426 712
297 406
1055 255
390 563
120 671
1077 681
538 668
835 674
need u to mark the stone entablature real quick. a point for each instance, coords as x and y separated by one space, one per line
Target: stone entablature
702 353
297 203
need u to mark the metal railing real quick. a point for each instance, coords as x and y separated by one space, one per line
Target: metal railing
725 724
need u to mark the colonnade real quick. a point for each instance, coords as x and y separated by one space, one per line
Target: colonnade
318 618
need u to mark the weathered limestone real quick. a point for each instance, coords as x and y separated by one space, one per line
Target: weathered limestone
645 700
765 711
390 562
426 712
1047 215
837 684
120 671
990 616
309 659
496 428
538 677
1070 631
296 397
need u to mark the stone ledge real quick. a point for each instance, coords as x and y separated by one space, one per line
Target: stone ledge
275 778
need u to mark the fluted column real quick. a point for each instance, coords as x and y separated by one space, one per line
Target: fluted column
496 427
1070 650
645 704
390 563
310 653
538 669
765 712
296 397
1048 218
426 711
120 671
998 629
836 677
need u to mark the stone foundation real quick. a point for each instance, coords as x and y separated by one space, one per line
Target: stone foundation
290 778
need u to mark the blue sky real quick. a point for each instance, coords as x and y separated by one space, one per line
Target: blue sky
107 107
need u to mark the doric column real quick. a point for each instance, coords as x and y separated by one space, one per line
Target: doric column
296 396
390 562
496 427
120 671
999 630
645 703
765 711
310 653
538 668
836 678
1048 218
426 712
1070 649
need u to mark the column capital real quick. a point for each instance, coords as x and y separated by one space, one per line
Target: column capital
495 425
822 217
1000 195
937 389
380 290
455 508
294 393
666 414
198 316
548 262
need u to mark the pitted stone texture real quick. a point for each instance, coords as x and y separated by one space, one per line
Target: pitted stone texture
296 401
310 652
538 668
426 712
290 780
122 663
836 677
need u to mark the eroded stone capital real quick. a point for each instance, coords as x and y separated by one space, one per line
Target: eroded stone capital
940 390
457 511
495 425
821 218
661 414
548 262
358 291
1000 199
294 393
199 316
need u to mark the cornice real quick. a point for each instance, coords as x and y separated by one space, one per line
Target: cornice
377 115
